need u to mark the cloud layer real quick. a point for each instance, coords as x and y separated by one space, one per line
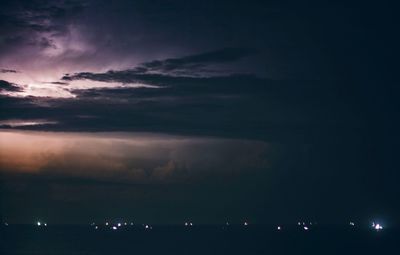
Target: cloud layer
128 158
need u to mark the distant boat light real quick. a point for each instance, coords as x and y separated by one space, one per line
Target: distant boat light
378 227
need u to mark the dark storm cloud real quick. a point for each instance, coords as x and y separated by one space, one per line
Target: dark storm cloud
221 104
35 23
8 71
190 64
168 70
38 16
227 106
6 86
198 94
57 83
180 87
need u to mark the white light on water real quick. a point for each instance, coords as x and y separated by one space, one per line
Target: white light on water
39 223
279 227
114 228
246 224
305 228
377 226
119 224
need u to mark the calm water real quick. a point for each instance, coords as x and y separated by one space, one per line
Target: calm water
197 240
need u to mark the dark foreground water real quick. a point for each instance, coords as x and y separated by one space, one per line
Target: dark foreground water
197 240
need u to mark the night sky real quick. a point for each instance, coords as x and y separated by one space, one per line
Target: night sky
209 111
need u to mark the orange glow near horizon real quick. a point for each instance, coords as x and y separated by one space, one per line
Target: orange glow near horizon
124 156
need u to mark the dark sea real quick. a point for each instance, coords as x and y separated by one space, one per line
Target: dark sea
74 240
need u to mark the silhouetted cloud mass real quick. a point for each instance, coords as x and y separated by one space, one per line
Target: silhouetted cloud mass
8 71
6 86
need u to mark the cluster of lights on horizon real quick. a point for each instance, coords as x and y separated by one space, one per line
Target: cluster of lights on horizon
119 225
377 226
188 224
41 224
